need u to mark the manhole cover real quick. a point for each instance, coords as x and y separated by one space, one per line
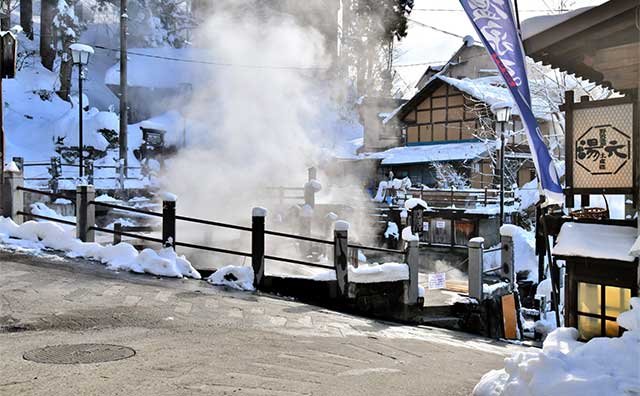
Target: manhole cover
79 353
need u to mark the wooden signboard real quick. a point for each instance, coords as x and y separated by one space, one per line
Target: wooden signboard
601 146
509 317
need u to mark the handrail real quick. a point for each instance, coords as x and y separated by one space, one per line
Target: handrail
293 261
376 249
56 220
125 208
50 194
300 237
128 234
213 223
492 250
212 249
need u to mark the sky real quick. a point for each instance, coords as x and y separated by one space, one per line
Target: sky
424 45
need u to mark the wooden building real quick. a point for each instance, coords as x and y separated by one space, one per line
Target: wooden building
600 44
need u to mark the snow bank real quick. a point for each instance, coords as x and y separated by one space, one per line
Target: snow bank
118 257
373 273
567 367
105 198
524 246
235 277
596 241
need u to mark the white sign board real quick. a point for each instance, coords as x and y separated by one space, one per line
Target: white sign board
440 224
437 281
425 226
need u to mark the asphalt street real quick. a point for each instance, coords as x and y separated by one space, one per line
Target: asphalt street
191 338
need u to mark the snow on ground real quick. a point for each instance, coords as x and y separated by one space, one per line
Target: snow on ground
235 277
596 241
567 367
120 257
373 273
392 230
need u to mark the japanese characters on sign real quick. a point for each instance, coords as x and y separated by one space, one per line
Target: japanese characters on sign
603 147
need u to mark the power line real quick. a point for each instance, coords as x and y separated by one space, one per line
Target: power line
435 28
458 10
422 63
222 64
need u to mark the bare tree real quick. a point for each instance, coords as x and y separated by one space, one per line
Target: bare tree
47 33
26 17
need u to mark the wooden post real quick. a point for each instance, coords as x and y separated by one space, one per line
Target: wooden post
117 229
169 223
13 199
486 196
340 255
411 292
507 259
85 213
476 270
257 245
88 170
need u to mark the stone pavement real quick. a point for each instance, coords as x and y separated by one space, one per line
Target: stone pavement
192 338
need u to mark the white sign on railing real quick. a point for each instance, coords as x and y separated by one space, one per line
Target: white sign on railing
437 281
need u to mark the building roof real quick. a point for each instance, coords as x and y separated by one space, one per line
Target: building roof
490 90
457 151
599 241
599 43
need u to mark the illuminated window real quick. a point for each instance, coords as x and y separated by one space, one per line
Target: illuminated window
598 308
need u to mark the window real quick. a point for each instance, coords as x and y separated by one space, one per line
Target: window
598 307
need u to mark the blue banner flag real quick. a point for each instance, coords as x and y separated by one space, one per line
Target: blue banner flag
495 24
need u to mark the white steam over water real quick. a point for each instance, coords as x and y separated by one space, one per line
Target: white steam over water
250 127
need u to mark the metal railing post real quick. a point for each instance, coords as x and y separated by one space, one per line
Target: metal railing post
411 292
117 237
85 213
257 245
476 267
340 255
13 199
88 170
168 223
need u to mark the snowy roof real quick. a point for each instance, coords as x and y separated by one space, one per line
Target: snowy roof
599 241
492 91
149 68
429 153
532 26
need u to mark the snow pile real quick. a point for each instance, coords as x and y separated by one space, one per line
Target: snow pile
411 203
596 241
12 167
524 246
105 198
118 257
235 277
374 273
41 209
392 230
408 236
567 367
635 249
314 185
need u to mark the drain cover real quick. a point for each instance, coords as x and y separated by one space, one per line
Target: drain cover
79 353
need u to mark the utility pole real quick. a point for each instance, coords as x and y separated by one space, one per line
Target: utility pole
122 137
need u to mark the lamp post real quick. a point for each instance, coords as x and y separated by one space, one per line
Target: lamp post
503 114
80 54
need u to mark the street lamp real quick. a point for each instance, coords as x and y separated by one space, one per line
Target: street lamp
503 114
80 53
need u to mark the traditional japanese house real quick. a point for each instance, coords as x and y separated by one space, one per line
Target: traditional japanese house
600 44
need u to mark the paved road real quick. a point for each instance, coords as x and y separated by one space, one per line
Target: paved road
191 338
